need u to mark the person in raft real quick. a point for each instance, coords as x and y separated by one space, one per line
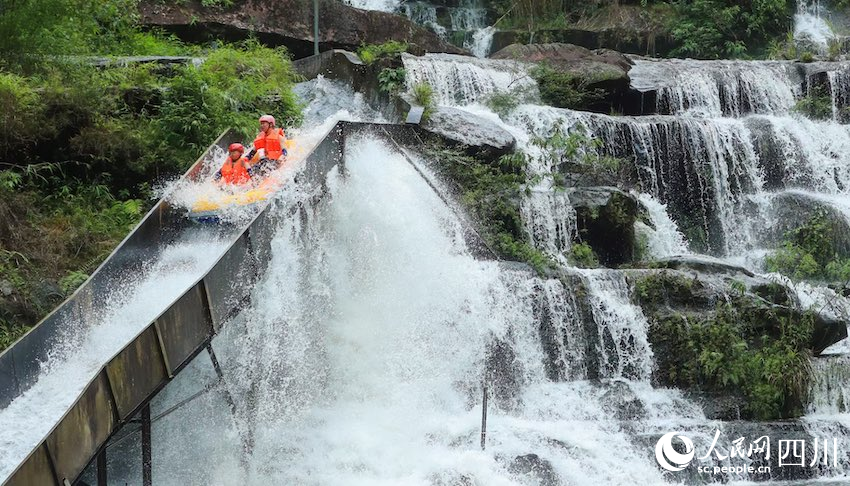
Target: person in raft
236 170
269 150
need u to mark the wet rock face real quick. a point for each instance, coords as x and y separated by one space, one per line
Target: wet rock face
290 23
535 469
602 71
605 218
479 136
622 403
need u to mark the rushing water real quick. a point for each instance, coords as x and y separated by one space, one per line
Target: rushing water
362 357
810 25
727 161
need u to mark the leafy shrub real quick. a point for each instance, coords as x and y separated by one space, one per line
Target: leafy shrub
743 347
807 57
33 30
725 28
391 80
20 112
809 252
573 151
583 256
816 105
491 192
502 103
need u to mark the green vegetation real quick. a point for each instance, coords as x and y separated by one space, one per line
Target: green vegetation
810 252
709 29
32 30
373 52
502 103
583 256
423 95
491 193
81 146
785 48
563 89
573 151
817 104
725 28
392 80
746 346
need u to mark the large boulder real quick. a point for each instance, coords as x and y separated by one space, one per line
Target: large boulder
476 134
290 23
602 71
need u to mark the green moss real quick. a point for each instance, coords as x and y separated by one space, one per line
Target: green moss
657 289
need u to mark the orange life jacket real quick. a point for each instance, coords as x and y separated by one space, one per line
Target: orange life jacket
272 142
235 172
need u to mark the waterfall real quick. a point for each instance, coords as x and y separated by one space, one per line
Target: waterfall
459 80
381 5
811 26
830 393
839 89
374 326
550 221
425 14
664 239
623 348
470 19
718 88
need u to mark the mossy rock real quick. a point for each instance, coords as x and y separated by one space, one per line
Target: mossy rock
721 333
605 219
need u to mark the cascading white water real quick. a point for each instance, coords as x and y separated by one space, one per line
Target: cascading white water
810 25
470 17
459 80
839 89
550 221
623 346
663 239
425 14
381 5
718 88
361 358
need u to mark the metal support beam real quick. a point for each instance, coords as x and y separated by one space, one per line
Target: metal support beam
101 468
316 27
147 479
484 418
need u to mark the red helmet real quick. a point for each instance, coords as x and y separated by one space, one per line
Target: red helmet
267 118
236 146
